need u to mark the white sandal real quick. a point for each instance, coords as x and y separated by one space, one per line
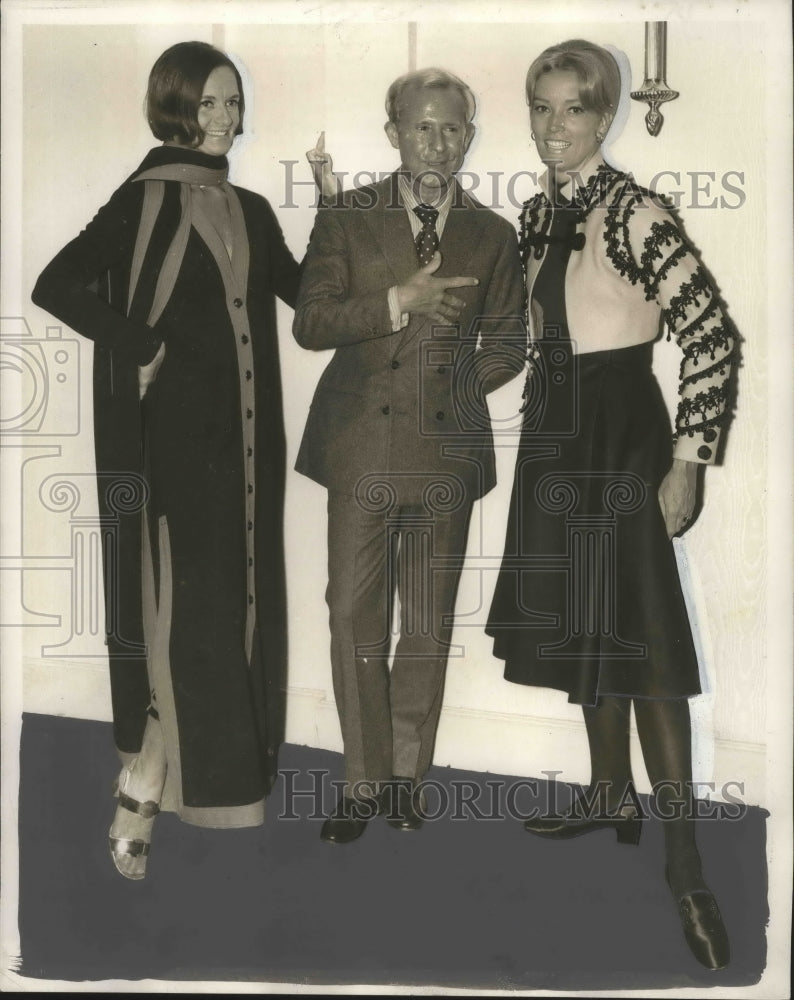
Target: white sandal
120 846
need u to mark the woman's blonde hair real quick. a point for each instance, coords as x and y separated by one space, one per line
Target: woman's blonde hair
599 77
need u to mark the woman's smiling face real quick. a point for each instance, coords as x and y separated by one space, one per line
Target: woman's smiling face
219 112
565 131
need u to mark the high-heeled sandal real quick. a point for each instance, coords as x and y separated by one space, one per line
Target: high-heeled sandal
121 846
703 928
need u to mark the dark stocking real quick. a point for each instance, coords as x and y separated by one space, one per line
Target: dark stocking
608 735
666 739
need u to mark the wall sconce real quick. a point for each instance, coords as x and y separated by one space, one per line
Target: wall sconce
654 90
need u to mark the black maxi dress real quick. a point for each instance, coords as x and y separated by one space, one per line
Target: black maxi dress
588 598
191 478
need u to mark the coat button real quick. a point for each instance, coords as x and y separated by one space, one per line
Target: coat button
248 376
249 451
249 413
244 339
709 435
238 302
704 452
250 488
385 410
440 415
395 364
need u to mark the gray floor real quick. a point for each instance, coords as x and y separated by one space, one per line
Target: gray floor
466 903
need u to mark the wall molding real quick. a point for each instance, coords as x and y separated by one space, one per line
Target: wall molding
471 739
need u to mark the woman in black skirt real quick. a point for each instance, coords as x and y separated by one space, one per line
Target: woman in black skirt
588 599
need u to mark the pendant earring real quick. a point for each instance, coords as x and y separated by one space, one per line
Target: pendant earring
532 136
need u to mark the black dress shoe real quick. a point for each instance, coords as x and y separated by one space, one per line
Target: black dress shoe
627 826
703 927
348 820
404 805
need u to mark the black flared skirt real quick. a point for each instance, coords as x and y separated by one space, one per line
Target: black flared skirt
588 598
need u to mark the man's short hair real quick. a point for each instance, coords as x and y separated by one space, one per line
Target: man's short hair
430 78
176 85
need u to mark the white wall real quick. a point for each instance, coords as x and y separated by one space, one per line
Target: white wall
82 90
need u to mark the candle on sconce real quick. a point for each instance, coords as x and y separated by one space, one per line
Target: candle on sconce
654 90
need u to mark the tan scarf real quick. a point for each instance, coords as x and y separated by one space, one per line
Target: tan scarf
186 174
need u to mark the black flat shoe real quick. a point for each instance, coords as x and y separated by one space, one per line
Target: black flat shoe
404 805
703 927
627 826
348 820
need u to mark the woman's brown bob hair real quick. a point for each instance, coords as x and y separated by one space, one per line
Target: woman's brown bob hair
599 77
176 85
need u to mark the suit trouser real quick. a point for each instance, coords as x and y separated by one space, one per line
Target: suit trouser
389 718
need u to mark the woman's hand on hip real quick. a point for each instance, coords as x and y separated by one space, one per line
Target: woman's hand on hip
148 373
677 495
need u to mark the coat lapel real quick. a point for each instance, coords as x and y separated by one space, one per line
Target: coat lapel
391 229
461 235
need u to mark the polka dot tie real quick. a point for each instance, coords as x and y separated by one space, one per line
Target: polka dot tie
427 238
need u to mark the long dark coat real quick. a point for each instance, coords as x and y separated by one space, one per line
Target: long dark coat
183 451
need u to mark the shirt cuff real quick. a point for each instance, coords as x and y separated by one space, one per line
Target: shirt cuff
398 319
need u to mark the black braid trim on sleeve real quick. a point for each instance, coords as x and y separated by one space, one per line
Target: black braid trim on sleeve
714 398
679 252
665 233
716 339
696 325
694 429
688 295
721 368
662 234
711 338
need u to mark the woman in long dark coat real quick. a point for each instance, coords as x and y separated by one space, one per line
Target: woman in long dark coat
588 599
175 281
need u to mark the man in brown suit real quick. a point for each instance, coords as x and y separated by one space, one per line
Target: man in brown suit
419 290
